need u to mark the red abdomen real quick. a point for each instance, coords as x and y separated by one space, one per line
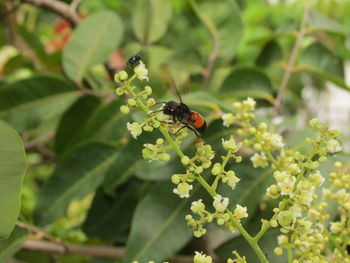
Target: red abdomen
197 121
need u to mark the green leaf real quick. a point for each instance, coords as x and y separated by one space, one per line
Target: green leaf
270 53
247 81
150 19
226 17
68 133
95 38
107 123
324 23
158 227
267 243
109 217
322 62
321 58
29 102
12 165
79 173
11 245
128 160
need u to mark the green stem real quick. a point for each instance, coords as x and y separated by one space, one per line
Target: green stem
289 251
267 225
217 178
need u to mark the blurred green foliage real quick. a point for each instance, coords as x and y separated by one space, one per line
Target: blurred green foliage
56 89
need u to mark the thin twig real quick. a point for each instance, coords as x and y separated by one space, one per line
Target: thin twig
58 7
39 232
74 5
292 59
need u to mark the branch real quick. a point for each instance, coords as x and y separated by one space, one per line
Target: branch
92 251
292 58
62 9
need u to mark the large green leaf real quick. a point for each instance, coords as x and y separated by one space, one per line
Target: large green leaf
247 81
158 227
109 217
128 160
327 24
79 173
12 165
11 245
323 63
26 103
91 43
270 53
107 123
150 19
72 122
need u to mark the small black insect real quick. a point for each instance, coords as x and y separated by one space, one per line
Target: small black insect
134 60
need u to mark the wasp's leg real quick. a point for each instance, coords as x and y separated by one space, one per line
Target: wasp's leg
189 127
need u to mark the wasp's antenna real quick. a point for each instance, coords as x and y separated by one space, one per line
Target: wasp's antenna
169 78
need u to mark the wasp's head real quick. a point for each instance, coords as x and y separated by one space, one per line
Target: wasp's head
170 108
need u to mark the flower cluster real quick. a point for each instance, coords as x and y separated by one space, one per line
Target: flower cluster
299 215
194 166
218 169
221 214
238 258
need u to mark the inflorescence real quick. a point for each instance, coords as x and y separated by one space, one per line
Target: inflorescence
301 214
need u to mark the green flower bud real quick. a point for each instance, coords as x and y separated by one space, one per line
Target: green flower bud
285 218
278 251
124 109
262 126
220 221
159 141
237 105
147 128
216 169
175 178
151 102
338 165
148 90
156 124
122 75
274 223
257 147
198 170
206 164
252 130
185 160
132 102
165 157
313 122
119 91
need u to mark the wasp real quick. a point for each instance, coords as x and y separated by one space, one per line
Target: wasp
180 112
134 60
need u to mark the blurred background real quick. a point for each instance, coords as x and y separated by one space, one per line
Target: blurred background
85 181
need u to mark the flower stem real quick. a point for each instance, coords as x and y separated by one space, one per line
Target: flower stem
289 251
